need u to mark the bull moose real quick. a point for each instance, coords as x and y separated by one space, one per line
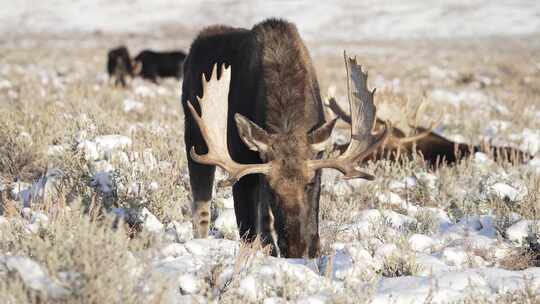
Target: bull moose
259 116
434 149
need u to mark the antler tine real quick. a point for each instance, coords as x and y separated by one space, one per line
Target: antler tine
338 110
213 126
392 139
423 132
361 104
362 119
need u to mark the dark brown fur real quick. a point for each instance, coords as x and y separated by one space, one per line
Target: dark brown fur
274 85
151 64
288 77
119 65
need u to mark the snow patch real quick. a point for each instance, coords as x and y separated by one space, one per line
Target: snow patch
132 105
34 276
109 143
529 140
507 192
339 19
226 224
519 231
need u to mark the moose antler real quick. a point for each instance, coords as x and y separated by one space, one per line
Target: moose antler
363 141
213 125
392 139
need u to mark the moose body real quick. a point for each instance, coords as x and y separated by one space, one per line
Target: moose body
274 127
119 65
151 64
250 81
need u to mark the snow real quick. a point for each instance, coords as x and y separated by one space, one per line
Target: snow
338 19
179 232
448 268
102 182
108 143
441 288
274 300
5 84
226 224
495 127
227 202
144 91
458 98
34 276
505 191
150 221
55 150
529 140
476 99
3 221
421 242
408 183
89 150
454 256
534 165
428 179
132 105
249 289
188 284
391 198
430 264
482 160
37 221
385 251
520 230
43 190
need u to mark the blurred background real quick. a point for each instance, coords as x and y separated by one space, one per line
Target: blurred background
331 20
476 55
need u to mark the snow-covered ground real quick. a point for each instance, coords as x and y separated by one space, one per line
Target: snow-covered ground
417 237
330 20
398 249
415 255
388 258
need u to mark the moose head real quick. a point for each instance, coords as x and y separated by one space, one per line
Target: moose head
290 160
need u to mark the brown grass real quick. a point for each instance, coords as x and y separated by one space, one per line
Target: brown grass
81 104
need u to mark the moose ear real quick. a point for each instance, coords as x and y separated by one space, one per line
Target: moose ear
253 136
320 137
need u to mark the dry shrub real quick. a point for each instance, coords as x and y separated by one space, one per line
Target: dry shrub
20 157
99 258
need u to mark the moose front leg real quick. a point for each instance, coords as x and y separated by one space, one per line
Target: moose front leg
202 180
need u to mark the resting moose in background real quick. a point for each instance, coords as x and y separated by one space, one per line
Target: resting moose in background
432 147
151 65
119 65
259 116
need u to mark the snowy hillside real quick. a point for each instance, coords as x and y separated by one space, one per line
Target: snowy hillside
328 20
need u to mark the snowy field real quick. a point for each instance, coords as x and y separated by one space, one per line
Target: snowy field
94 191
331 20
